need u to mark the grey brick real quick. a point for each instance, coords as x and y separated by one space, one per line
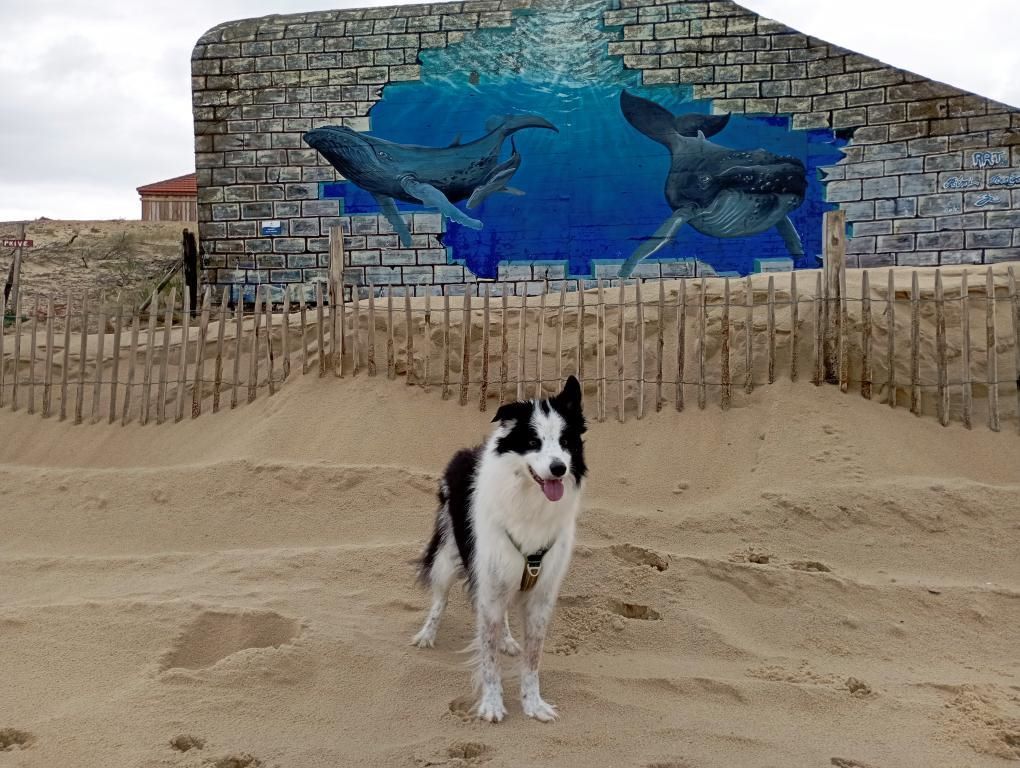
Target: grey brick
364 225
320 208
865 170
289 245
366 258
941 205
885 186
894 243
416 275
382 275
989 238
939 241
300 261
257 210
996 200
304 227
919 184
225 211
896 208
282 210
903 226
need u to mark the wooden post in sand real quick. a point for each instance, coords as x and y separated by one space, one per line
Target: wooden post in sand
337 333
724 353
819 332
771 329
182 360
65 358
303 319
446 345
620 352
640 334
968 403
79 396
867 371
702 322
681 343
320 333
540 342
890 336
409 341
17 350
267 314
522 341
602 357
915 345
32 354
942 401
660 344
285 333
238 336
465 346
168 325
136 323
1014 305
748 335
98 370
834 246
356 329
253 352
391 349
483 393
559 331
371 331
992 368
426 344
3 359
504 348
794 322
48 372
844 331
580 332
115 369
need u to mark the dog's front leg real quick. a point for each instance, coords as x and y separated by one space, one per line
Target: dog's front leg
537 610
490 639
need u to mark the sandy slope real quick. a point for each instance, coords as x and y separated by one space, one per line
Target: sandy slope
244 579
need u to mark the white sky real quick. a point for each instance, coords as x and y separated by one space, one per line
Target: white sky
95 95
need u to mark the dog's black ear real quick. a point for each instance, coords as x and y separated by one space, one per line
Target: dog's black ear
568 401
510 412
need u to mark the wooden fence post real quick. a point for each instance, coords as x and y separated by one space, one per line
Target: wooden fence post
391 349
3 359
559 331
794 321
319 328
771 329
132 362
100 350
267 313
580 332
620 352
540 342
681 342
890 335
968 403
724 354
253 352
33 352
182 364
942 402
867 373
483 394
371 330
65 358
835 267
409 341
702 322
915 345
168 325
446 344
303 319
522 341
17 345
991 340
79 397
1014 304
238 336
660 344
504 348
819 375
465 346
640 334
337 336
844 331
426 345
285 333
48 373
748 335
115 370
602 360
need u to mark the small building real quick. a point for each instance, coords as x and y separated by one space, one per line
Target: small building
170 200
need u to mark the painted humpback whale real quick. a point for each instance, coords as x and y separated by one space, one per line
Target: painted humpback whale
719 191
436 177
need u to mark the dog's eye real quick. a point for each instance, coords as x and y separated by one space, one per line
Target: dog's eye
563 442
534 444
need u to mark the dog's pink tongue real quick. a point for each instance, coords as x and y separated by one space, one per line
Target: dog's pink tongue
553 489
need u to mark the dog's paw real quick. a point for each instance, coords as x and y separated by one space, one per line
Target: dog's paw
424 639
510 646
541 710
491 708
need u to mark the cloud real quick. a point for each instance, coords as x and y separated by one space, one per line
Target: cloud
97 93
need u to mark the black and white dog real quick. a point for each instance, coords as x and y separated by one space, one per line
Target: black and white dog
506 519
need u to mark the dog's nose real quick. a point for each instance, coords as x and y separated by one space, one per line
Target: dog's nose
558 468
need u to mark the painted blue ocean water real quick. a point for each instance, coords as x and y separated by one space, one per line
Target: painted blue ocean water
594 190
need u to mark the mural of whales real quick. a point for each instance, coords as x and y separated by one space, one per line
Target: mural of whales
436 177
721 192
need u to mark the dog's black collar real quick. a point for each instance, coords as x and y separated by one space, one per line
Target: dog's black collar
532 563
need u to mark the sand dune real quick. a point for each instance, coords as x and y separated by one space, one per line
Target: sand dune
806 580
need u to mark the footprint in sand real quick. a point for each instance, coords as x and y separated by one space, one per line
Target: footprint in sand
243 760
636 555
461 707
469 752
634 611
182 742
214 635
846 762
811 566
12 738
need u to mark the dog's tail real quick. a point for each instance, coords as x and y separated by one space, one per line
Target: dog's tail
425 561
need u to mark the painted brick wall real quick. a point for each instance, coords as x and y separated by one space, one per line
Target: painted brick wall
930 174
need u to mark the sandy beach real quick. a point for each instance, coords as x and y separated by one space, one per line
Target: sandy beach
806 580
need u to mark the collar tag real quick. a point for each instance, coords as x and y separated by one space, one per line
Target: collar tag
532 569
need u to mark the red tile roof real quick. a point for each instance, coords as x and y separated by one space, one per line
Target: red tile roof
179 185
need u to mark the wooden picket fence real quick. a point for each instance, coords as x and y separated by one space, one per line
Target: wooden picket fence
636 345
